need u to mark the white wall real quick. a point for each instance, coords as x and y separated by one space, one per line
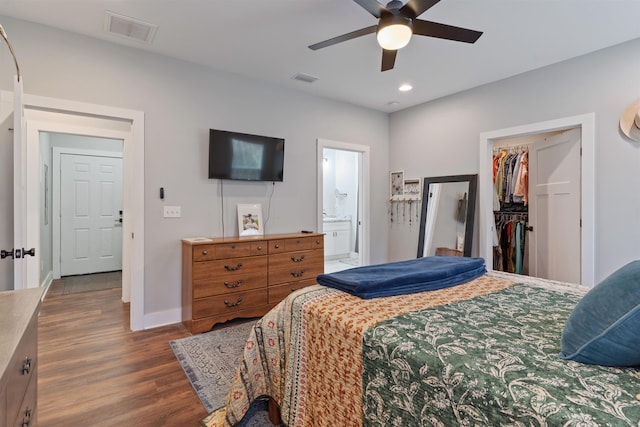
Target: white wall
442 137
181 101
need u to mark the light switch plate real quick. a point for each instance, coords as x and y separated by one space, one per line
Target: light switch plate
172 211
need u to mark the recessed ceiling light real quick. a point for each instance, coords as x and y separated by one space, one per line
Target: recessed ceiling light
405 87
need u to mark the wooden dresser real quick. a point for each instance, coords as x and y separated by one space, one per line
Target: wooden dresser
227 278
19 357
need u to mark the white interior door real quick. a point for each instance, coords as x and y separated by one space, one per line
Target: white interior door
26 206
19 187
554 214
91 203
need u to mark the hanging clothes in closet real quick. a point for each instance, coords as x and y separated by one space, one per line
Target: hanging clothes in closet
509 253
511 184
511 178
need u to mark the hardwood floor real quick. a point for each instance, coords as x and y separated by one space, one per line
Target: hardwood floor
93 371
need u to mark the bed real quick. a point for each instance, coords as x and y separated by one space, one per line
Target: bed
482 353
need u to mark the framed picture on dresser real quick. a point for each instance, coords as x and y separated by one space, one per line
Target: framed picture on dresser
250 222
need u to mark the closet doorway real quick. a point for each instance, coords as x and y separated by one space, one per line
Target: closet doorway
537 181
560 209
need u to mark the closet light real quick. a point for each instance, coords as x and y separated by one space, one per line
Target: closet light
405 87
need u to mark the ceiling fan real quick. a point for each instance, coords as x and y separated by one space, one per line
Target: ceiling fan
397 22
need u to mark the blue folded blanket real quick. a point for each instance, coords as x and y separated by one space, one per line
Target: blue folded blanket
405 277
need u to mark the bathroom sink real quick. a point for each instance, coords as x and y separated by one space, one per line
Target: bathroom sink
335 218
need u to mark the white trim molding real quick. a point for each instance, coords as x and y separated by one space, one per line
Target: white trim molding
586 122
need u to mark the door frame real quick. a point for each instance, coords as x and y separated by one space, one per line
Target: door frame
133 182
586 122
56 204
362 223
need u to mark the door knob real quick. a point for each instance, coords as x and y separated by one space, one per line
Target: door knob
31 252
4 254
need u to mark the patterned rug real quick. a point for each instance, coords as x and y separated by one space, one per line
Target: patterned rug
210 360
92 282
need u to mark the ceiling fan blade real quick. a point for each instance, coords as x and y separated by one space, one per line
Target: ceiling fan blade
444 31
344 37
415 8
372 6
388 59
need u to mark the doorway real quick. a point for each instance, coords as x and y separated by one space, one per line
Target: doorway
343 204
585 125
54 115
538 196
87 176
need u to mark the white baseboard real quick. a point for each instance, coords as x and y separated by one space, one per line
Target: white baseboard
162 318
46 283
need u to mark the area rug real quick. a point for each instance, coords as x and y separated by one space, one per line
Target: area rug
210 360
92 282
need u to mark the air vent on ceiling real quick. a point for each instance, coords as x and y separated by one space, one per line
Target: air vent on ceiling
307 78
131 28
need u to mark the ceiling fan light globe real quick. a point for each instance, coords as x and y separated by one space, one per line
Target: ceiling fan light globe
394 37
394 33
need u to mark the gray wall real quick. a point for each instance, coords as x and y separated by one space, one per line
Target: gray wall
442 138
181 101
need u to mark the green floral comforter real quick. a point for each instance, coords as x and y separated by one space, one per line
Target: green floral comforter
490 361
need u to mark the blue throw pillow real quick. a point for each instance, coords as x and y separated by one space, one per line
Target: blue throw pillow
604 327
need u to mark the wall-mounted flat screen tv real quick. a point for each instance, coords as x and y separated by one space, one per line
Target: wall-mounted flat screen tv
245 157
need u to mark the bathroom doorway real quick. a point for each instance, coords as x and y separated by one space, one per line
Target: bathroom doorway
342 196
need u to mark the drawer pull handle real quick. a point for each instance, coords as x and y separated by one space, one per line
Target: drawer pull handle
317 242
233 246
27 421
230 268
205 252
293 290
259 248
277 246
233 304
297 274
294 259
26 366
233 285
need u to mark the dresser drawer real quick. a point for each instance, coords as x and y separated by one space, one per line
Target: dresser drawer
294 273
279 292
295 259
299 244
205 271
222 250
21 370
229 303
223 284
26 415
276 246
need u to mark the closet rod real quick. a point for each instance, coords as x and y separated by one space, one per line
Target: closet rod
511 148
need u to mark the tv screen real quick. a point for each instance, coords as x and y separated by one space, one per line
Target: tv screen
245 157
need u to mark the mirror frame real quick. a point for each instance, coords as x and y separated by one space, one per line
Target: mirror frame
471 208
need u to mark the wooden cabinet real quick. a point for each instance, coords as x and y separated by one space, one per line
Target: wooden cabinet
226 278
19 357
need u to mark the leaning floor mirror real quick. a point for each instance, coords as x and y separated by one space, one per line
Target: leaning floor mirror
447 215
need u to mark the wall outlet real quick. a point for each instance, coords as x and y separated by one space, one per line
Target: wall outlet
172 211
